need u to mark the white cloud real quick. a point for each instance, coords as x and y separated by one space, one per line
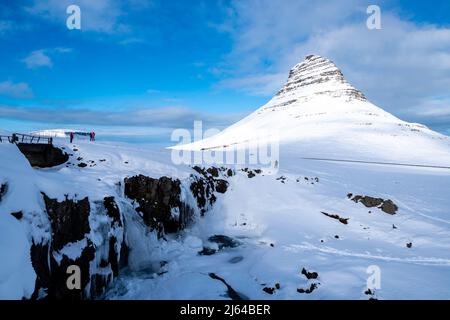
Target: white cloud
402 67
38 58
15 90
42 57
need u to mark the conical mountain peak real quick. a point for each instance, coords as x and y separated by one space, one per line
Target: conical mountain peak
314 76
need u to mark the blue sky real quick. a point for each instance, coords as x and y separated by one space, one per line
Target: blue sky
151 66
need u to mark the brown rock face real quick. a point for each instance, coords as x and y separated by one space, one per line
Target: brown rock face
160 202
206 183
387 206
43 155
69 220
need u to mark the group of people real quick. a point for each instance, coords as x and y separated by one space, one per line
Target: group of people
91 136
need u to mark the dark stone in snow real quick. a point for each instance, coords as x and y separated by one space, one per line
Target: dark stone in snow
310 275
268 290
335 216
233 294
3 190
311 288
213 171
207 251
387 206
236 259
17 215
409 245
82 165
221 186
224 241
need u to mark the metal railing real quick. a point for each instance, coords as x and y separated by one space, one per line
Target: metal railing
6 139
26 138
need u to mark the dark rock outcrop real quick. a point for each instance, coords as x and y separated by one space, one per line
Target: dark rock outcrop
98 260
309 275
18 215
387 206
43 155
3 190
205 184
224 241
112 210
337 217
69 220
159 202
232 294
309 290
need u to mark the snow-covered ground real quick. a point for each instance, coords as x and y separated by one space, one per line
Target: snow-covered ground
259 212
263 210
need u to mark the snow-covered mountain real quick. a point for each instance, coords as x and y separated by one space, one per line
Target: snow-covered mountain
319 113
59 133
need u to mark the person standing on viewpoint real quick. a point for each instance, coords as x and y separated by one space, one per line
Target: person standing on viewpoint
71 137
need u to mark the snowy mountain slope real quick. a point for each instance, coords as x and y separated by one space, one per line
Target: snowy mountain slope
319 112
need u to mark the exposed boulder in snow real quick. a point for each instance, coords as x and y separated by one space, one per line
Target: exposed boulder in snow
309 275
18 215
387 206
43 155
160 202
224 241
